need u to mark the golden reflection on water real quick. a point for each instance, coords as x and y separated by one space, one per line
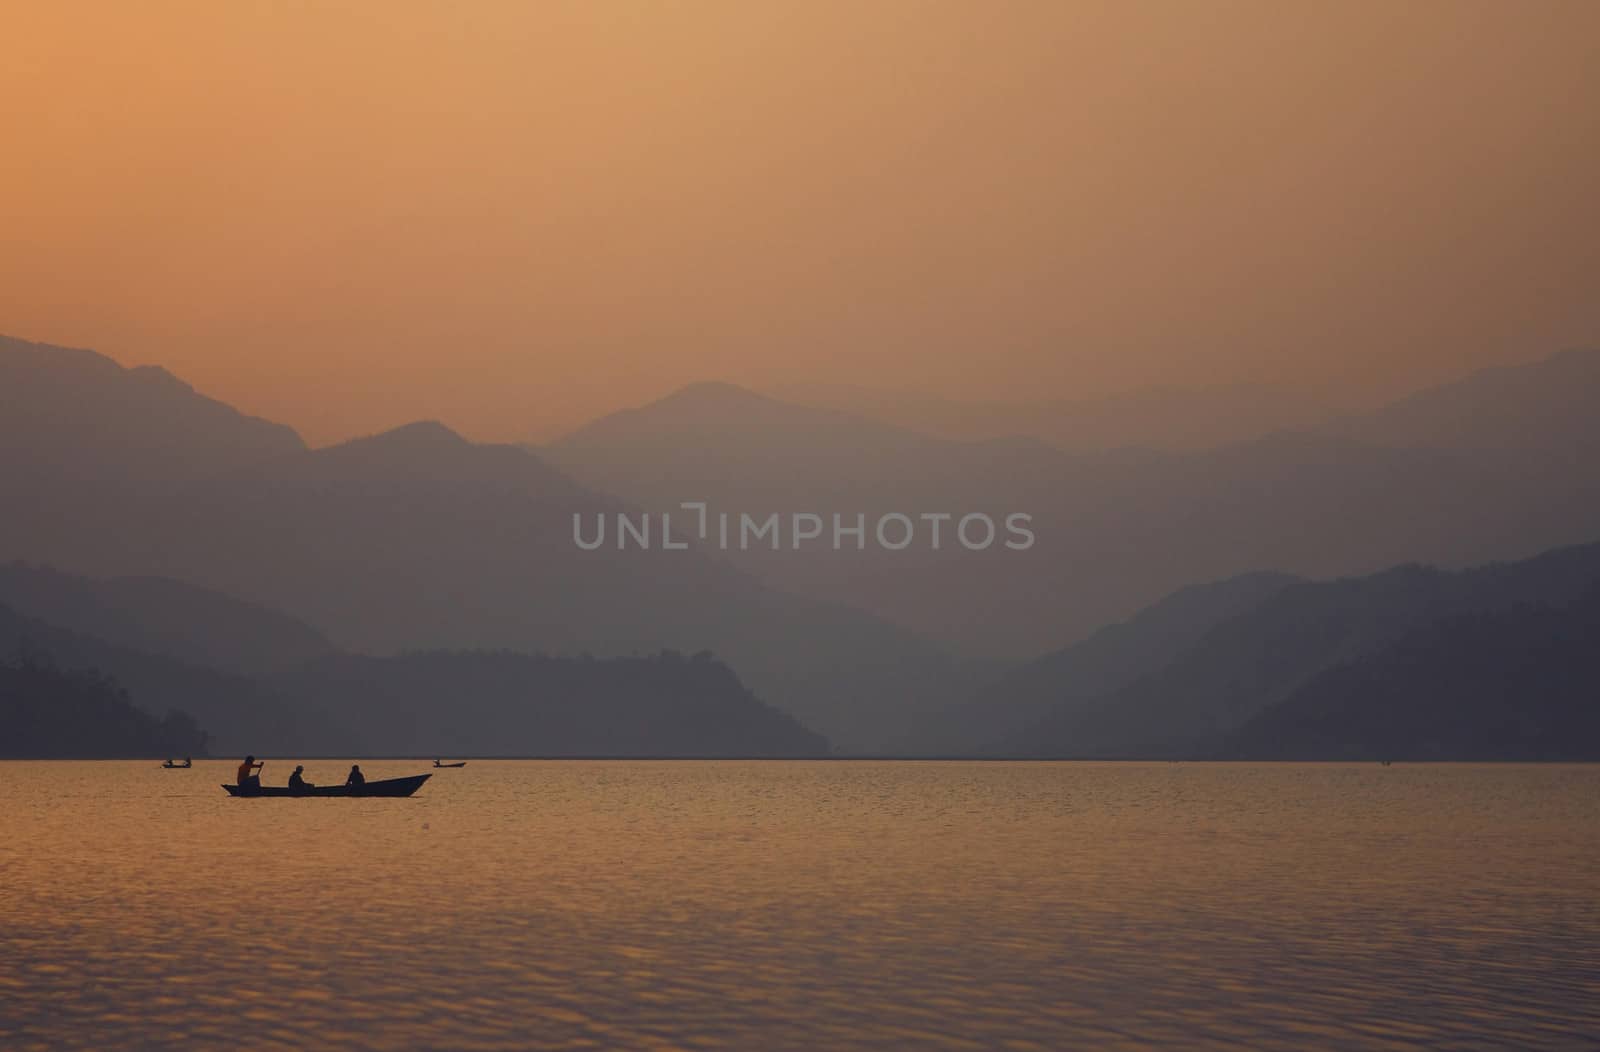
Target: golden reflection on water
803 905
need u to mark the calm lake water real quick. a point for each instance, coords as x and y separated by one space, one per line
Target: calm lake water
804 905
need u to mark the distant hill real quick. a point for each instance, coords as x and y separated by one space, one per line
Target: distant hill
1543 407
163 616
724 443
240 714
87 447
1543 404
1515 684
1171 420
48 713
1107 661
419 539
80 415
499 704
472 703
1115 530
1246 664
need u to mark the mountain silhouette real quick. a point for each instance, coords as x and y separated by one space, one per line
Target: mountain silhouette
1544 404
1166 419
239 713
471 703
163 616
1115 530
1544 407
301 697
1515 684
88 447
1244 665
484 703
49 713
1108 660
79 415
419 539
752 453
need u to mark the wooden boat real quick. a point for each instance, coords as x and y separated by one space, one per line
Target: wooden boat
383 787
461 763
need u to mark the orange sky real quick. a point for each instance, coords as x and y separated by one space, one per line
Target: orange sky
514 215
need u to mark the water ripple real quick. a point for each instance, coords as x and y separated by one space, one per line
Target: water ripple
805 905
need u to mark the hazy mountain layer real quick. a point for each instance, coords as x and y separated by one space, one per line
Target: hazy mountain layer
1545 407
239 713
420 539
81 416
87 447
469 703
1546 404
49 713
1515 684
1167 419
163 616
1451 477
504 704
1249 662
1107 661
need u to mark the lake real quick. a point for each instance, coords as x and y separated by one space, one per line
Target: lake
753 905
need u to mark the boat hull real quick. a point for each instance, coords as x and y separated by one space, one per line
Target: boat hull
384 787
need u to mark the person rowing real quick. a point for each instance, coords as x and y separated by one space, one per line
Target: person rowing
248 779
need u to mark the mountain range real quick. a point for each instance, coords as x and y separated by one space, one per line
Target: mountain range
279 689
493 703
1521 683
239 713
214 563
1266 649
1544 404
160 615
49 713
1450 476
1173 420
419 539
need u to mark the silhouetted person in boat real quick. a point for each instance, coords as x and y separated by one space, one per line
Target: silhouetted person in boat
356 779
297 781
248 779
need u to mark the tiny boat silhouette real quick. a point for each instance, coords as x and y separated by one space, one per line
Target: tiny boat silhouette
460 763
383 787
184 766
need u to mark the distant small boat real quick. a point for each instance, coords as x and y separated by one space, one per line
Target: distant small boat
461 763
383 787
169 765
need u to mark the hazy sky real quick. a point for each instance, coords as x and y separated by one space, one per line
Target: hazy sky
514 215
